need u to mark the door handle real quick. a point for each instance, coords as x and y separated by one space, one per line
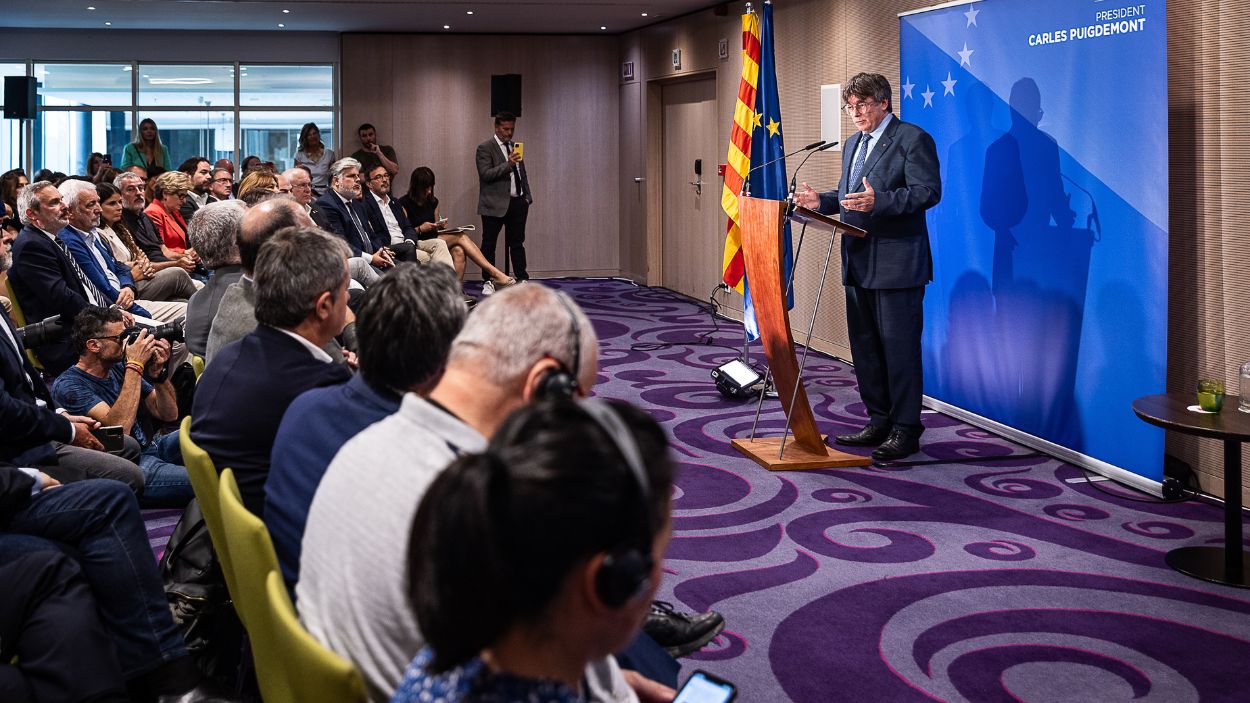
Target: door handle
698 186
639 179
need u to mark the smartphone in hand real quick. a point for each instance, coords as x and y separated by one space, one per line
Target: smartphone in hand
703 687
110 437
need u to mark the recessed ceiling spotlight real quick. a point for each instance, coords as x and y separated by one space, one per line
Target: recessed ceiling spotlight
644 14
281 25
603 28
108 24
286 12
447 26
468 12
91 7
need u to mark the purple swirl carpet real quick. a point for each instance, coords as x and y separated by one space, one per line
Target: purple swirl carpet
991 579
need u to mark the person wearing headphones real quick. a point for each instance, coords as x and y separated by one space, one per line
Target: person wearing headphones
564 520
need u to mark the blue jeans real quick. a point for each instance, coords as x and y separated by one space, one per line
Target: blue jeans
97 523
165 480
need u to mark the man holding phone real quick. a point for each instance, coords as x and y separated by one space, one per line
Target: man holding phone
504 198
120 374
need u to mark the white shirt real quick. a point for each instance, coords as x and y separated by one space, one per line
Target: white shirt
200 200
318 353
392 224
93 245
506 153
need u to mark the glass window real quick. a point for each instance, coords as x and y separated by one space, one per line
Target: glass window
186 85
274 136
82 85
207 133
286 86
64 139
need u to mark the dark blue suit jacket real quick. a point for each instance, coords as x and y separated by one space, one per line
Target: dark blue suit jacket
79 248
903 171
378 223
28 428
241 397
335 212
45 284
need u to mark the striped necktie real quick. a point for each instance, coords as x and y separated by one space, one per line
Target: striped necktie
94 295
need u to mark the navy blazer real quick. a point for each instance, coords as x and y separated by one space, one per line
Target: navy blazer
78 247
378 222
28 428
335 212
903 172
45 284
241 397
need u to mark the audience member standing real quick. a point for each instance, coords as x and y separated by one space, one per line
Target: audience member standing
373 154
147 152
504 198
314 155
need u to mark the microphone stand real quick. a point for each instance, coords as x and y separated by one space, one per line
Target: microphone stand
746 180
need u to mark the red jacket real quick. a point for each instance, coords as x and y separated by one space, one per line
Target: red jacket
170 225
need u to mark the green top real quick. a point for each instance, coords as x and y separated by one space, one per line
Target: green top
132 156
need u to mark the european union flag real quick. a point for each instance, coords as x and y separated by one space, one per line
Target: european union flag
766 145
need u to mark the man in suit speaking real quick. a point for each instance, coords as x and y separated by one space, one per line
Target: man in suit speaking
889 178
504 198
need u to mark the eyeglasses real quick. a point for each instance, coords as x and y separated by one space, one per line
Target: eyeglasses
301 186
223 180
381 177
116 338
852 108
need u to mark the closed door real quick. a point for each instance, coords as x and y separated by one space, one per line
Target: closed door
692 243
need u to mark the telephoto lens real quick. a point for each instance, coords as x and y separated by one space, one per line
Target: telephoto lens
171 331
37 334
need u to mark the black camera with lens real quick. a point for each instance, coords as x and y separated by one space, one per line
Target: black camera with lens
171 331
37 334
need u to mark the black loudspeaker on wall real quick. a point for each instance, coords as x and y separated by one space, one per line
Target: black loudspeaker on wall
505 94
19 97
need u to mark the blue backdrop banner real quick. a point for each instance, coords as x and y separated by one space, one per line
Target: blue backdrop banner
1048 307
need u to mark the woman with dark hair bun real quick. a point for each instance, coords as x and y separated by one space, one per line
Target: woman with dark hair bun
535 561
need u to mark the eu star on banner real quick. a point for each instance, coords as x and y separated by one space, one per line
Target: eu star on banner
739 159
766 145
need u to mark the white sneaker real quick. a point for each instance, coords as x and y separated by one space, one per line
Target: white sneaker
488 288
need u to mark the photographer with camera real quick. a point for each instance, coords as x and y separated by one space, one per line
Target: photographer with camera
123 372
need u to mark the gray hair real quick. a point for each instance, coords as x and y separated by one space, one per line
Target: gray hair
296 169
72 189
293 269
29 198
407 325
338 167
120 182
214 232
512 330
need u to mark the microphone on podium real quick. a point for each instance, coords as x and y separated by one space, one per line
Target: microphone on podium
794 181
746 179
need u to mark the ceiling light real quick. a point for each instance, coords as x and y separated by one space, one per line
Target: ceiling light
281 25
126 68
447 26
469 12
91 7
644 14
108 24
603 28
286 12
179 81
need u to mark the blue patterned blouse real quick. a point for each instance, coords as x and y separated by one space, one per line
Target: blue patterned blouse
473 681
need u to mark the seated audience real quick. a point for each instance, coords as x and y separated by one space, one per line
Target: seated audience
421 208
143 229
45 277
531 563
11 183
199 171
390 225
214 233
315 156
223 180
146 151
405 331
256 186
251 162
97 524
342 209
166 281
95 257
35 435
106 174
95 162
169 192
514 348
115 381
301 304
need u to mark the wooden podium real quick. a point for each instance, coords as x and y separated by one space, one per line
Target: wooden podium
763 223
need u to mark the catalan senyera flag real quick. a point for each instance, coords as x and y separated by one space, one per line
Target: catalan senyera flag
739 159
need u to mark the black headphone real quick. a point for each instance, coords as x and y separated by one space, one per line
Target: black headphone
561 381
626 570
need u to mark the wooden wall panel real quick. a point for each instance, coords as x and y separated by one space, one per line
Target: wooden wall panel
429 96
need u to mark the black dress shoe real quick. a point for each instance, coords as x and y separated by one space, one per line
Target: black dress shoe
870 436
898 445
680 633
